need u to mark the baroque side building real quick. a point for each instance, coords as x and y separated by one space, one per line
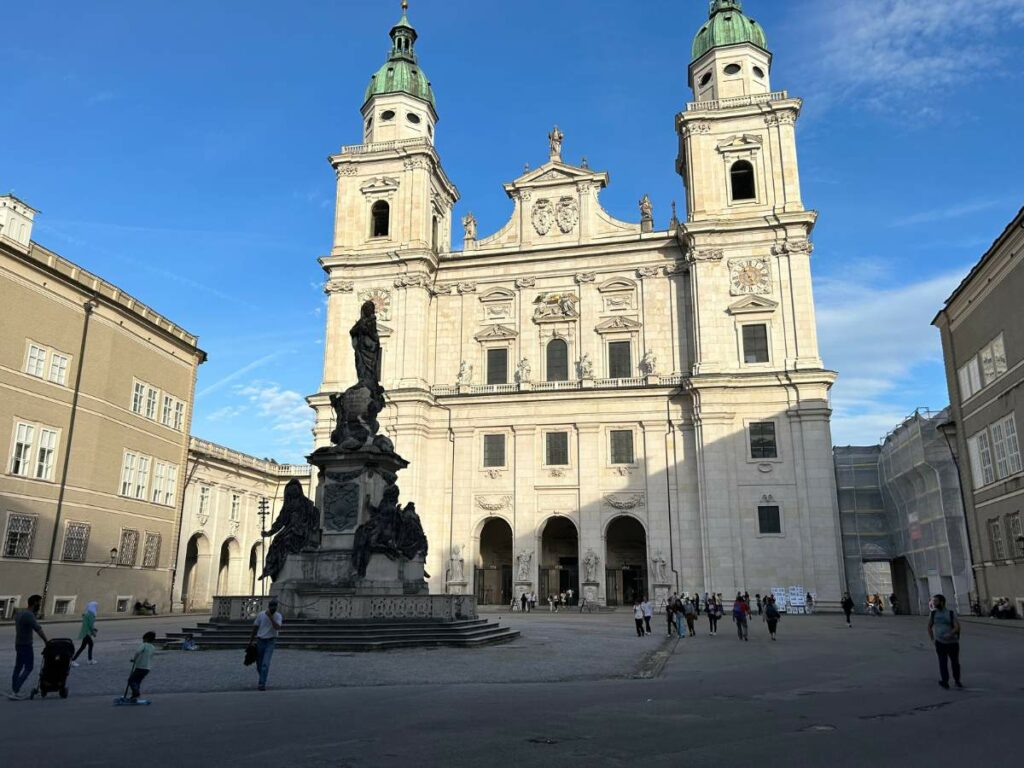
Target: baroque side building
588 403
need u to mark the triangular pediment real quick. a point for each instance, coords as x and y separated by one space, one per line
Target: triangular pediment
497 294
749 304
496 333
744 141
618 324
380 184
556 173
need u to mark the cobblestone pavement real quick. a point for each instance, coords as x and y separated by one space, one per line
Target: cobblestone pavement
553 648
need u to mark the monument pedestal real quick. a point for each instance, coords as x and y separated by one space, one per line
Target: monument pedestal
591 590
662 592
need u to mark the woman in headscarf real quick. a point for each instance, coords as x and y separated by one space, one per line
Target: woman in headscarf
87 632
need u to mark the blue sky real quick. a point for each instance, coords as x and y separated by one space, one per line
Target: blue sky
179 150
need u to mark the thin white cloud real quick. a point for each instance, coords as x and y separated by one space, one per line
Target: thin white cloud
285 412
239 373
227 413
888 50
887 353
950 212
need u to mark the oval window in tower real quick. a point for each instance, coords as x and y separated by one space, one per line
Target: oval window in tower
387 115
413 118
732 69
758 72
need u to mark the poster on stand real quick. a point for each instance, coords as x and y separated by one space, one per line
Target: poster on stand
779 593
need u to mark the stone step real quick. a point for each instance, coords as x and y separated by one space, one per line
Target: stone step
489 637
295 624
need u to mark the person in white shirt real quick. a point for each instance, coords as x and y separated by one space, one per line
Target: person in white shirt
264 633
648 611
638 617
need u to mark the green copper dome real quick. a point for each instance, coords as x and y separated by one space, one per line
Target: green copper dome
727 25
401 73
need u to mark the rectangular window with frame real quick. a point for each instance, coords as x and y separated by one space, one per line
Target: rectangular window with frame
171 485
621 442
204 500
755 343
769 519
762 440
995 532
58 368
179 415
620 359
494 450
159 473
236 507
128 473
35 360
556 449
62 606
76 542
1006 428
993 360
18 539
981 459
138 396
122 604
142 478
1013 524
497 366
151 550
167 412
21 456
152 397
45 453
129 549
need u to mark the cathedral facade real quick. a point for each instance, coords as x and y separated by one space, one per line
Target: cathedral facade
591 404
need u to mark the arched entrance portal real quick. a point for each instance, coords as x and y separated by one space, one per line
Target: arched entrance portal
559 559
493 573
228 566
195 582
625 561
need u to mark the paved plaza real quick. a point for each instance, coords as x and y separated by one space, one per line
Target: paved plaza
574 690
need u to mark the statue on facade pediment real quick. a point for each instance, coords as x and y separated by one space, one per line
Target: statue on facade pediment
469 225
556 306
523 371
555 139
646 209
465 377
296 528
649 364
585 367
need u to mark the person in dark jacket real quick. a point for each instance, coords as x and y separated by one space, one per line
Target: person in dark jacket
740 613
771 616
847 605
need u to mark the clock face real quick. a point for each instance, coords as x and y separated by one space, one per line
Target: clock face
750 276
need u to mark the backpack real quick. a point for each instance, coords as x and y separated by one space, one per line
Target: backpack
771 611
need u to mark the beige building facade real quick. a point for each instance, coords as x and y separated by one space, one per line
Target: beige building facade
982 330
220 549
72 343
588 404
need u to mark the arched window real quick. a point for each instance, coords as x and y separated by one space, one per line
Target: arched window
381 214
742 177
558 360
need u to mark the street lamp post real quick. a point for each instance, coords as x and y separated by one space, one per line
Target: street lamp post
264 512
111 564
948 430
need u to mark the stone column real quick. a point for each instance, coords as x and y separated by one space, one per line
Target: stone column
723 537
588 453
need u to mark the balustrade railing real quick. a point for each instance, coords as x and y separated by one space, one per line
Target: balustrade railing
736 101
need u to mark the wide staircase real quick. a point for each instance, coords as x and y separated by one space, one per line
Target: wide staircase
349 636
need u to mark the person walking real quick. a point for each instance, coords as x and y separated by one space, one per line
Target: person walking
525 602
691 614
944 631
670 613
760 603
86 633
740 612
568 596
714 611
771 616
648 610
638 618
894 603
264 633
810 602
696 603
24 625
847 605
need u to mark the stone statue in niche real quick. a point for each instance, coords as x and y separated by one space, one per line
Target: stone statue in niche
391 530
523 371
649 365
465 377
646 209
659 569
296 528
455 564
590 564
366 344
555 139
585 367
556 306
469 225
524 559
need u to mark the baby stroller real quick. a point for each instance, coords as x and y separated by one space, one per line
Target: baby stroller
56 665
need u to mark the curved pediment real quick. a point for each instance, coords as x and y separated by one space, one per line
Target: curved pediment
617 284
497 294
753 304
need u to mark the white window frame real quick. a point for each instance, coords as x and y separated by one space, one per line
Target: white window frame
22 457
742 351
204 503
33 360
980 450
70 599
1010 443
128 470
750 446
568 447
142 478
167 410
994 353
138 397
159 473
8 604
615 338
608 447
151 536
44 465
782 520
152 406
235 509
171 485
31 536
127 600
996 539
68 525
61 364
121 555
1016 529
179 415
